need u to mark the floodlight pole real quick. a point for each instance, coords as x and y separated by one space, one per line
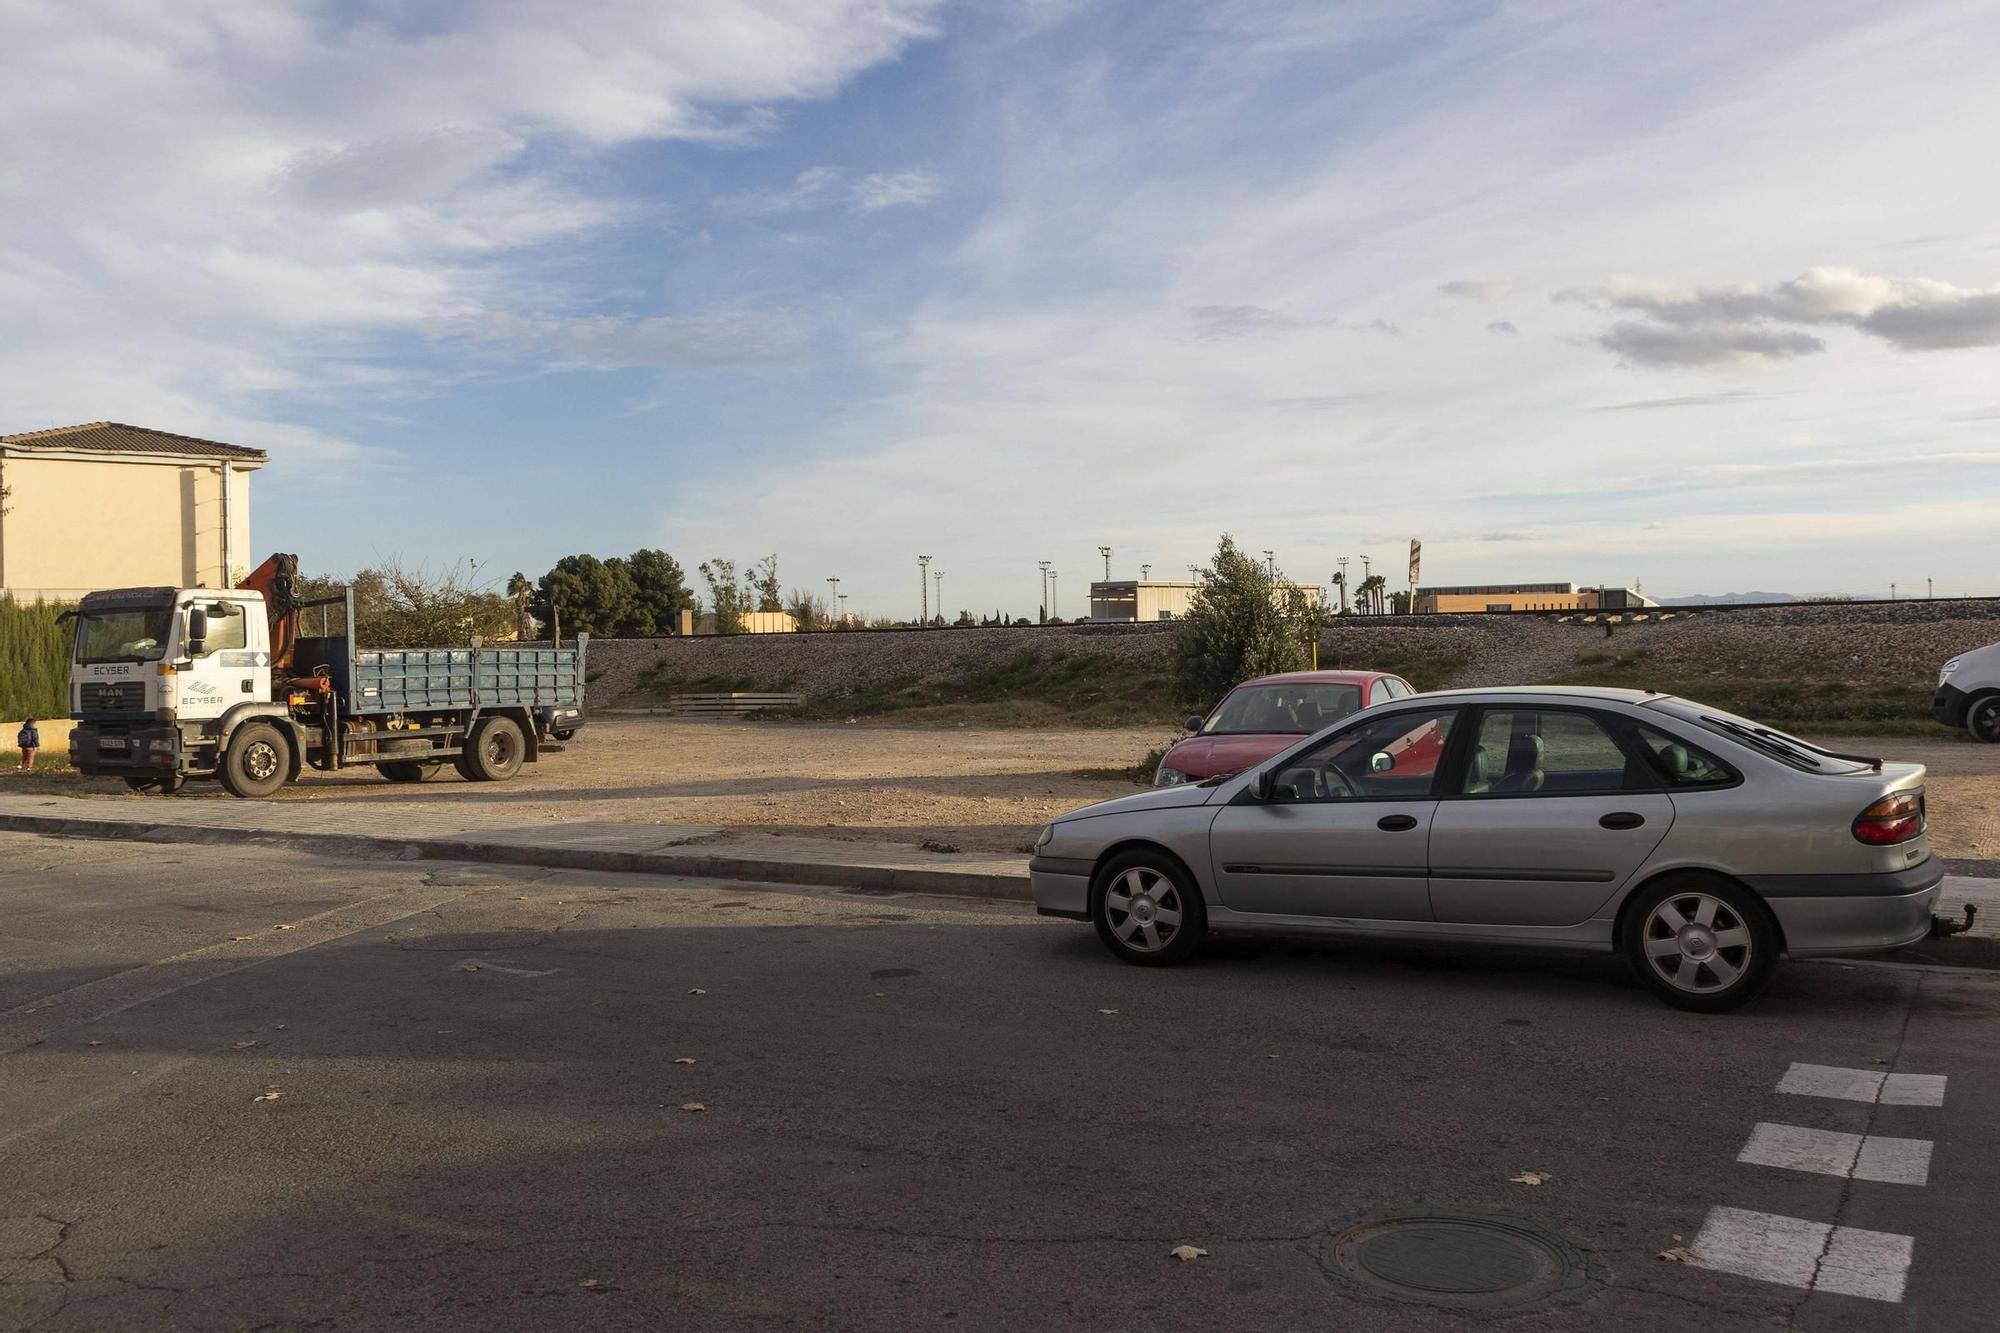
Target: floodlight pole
833 597
1145 572
1105 551
924 587
1042 609
939 576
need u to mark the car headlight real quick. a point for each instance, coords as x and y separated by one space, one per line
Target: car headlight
1169 777
1948 668
1048 833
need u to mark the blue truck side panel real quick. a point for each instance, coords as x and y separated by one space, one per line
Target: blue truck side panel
424 680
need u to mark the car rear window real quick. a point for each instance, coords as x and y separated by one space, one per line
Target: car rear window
1299 709
1787 749
1680 764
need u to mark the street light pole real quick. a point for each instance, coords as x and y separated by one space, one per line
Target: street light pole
924 587
1042 610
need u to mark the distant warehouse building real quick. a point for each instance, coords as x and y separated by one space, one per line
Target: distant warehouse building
1132 600
1528 597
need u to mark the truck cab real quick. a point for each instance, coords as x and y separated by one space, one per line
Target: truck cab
158 677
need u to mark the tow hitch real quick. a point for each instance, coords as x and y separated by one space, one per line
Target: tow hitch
1942 926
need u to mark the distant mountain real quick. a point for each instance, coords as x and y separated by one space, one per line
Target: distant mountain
1730 599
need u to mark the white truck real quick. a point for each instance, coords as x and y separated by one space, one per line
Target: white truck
168 684
1968 693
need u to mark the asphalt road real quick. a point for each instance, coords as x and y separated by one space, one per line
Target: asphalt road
917 1113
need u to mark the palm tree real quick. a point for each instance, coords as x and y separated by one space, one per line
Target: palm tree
518 588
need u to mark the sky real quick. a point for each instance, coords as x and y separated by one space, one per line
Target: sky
1704 297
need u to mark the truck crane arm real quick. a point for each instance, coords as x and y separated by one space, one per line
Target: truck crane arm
278 579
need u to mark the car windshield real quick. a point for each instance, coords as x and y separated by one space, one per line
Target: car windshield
1295 710
136 635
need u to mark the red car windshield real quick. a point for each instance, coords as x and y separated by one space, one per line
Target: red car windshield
1295 710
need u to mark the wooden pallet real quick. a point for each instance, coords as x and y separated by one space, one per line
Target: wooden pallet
730 705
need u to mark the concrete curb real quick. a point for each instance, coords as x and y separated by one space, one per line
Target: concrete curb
703 865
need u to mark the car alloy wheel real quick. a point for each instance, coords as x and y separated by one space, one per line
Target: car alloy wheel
1143 909
1983 721
1697 943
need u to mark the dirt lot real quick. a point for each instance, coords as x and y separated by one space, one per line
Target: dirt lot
977 789
974 788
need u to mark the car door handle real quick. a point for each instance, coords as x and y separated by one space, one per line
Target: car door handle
1396 823
1621 819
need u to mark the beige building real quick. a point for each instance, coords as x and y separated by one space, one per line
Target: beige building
1157 599
111 506
754 622
1528 597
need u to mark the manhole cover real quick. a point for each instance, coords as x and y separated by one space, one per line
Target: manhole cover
1457 1260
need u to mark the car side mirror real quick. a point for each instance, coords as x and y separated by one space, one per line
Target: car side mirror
1193 721
1381 762
197 631
1265 785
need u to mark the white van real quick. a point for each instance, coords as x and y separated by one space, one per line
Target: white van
1968 693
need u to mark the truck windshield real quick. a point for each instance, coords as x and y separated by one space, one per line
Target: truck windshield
137 635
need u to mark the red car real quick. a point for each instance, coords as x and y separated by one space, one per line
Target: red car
1263 716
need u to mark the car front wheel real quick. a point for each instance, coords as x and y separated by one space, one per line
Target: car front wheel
1983 719
1701 942
1147 909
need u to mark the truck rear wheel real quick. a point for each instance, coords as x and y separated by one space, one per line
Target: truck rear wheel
408 770
257 762
495 752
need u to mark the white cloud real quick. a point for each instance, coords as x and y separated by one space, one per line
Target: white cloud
202 202
1730 324
1641 344
892 189
1477 289
836 187
1046 397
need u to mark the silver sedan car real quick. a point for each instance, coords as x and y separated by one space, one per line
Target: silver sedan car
1699 845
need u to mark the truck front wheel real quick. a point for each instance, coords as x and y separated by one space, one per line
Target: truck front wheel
258 760
495 752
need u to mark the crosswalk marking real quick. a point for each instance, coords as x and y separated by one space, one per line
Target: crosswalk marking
1913 1090
1864 1085
1831 1153
1798 1253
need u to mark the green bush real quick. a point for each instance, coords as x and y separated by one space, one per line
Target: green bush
1244 621
34 661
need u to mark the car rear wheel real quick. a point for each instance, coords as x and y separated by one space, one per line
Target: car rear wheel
1701 942
1983 719
1147 910
495 750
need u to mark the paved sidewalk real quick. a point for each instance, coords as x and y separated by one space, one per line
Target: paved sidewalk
411 830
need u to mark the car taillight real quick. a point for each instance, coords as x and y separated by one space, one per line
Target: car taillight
1895 818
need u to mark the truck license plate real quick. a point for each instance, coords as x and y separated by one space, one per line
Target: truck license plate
111 743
